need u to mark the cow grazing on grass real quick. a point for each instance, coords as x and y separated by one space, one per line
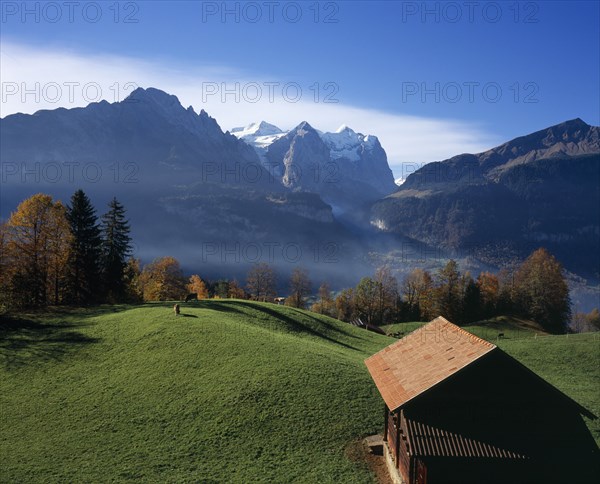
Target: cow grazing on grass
500 335
176 309
191 297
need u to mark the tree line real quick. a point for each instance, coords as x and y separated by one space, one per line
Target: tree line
52 254
56 254
163 279
535 289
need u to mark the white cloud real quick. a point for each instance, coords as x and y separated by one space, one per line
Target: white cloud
34 79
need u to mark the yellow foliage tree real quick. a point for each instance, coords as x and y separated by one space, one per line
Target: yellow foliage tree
37 239
489 290
325 304
162 280
197 286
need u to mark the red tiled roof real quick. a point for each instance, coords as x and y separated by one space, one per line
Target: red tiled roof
422 359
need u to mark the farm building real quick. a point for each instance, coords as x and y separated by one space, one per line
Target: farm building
458 409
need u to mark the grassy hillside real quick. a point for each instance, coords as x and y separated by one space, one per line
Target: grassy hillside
511 327
232 391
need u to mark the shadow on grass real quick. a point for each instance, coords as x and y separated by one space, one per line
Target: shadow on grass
79 313
23 340
291 324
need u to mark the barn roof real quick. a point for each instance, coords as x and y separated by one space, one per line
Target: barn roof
428 440
422 359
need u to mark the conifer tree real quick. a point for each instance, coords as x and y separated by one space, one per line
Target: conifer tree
116 247
83 266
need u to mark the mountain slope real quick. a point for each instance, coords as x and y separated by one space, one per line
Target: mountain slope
537 190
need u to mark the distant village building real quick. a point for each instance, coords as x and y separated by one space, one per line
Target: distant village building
460 410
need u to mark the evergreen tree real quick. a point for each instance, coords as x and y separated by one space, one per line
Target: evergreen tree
83 265
471 300
116 246
220 289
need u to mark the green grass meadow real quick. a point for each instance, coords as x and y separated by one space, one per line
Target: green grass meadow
230 391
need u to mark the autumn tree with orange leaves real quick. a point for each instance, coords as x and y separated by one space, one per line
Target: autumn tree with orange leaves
35 246
162 280
197 286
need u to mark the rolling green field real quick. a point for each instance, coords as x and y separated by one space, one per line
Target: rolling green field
231 391
511 327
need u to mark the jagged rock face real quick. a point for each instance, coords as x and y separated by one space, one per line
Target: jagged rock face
150 128
304 160
539 189
361 158
346 168
195 187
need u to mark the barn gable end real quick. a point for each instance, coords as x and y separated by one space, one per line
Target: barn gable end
458 409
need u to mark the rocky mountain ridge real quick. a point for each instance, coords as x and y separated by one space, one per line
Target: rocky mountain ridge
538 189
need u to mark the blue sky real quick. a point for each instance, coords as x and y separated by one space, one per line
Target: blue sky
431 79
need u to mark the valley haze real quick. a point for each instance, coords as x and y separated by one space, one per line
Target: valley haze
222 201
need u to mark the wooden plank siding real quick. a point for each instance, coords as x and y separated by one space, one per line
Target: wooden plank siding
404 463
391 433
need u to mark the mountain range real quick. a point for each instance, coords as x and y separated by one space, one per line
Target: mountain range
536 190
193 190
345 168
220 201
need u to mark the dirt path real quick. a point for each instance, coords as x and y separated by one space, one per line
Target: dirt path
358 451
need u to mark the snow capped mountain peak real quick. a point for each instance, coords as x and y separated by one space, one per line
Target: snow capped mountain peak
261 128
344 128
346 143
259 135
343 143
